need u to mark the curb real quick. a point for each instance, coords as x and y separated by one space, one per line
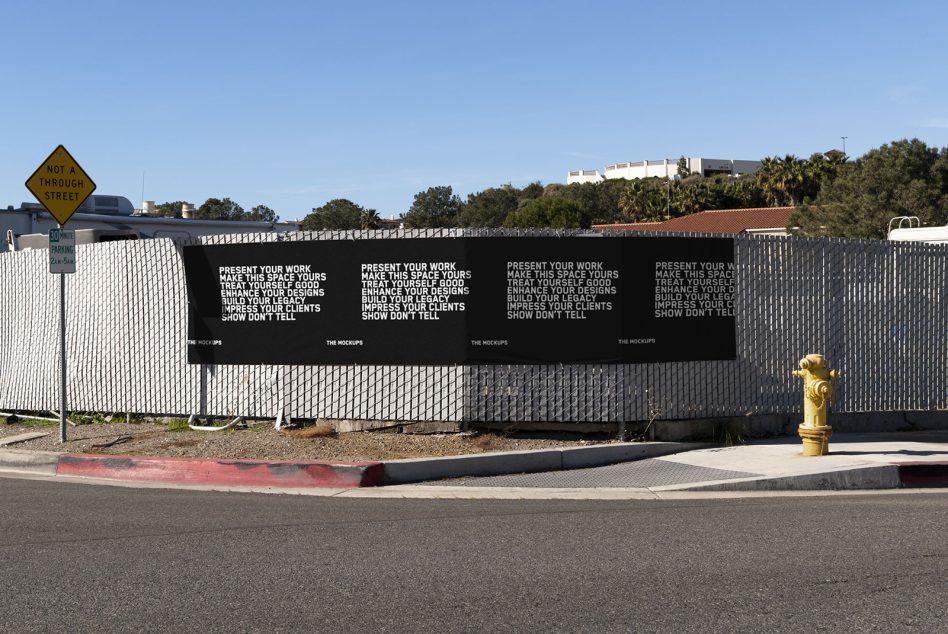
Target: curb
847 479
41 462
351 475
265 473
413 470
285 474
921 475
902 475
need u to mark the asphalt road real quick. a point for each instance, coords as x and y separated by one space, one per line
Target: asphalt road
96 558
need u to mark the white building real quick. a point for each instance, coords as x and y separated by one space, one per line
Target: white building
664 168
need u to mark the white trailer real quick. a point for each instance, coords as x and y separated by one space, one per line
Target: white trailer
104 218
909 229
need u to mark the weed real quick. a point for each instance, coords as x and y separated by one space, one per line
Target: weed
178 424
26 421
91 418
656 409
729 433
102 418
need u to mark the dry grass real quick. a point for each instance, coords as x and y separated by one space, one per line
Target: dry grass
489 442
313 431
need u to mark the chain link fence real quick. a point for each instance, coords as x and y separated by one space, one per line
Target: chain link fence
877 310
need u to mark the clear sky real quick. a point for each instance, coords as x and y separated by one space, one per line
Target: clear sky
291 104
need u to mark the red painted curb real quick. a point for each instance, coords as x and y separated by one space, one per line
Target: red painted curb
918 475
220 471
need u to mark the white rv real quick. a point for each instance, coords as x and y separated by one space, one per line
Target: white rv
104 218
909 229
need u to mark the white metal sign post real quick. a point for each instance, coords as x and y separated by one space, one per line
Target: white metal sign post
61 186
62 260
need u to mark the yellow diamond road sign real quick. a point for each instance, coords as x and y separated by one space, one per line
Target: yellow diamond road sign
60 185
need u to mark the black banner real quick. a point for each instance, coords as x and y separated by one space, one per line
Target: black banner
444 301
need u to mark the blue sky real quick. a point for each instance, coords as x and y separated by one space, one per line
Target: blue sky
291 104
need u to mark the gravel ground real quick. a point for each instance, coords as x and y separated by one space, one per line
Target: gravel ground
261 441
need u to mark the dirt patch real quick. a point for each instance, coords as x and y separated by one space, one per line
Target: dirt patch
179 444
262 442
313 431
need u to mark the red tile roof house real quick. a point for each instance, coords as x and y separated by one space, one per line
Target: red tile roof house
760 220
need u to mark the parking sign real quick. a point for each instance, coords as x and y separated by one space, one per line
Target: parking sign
62 251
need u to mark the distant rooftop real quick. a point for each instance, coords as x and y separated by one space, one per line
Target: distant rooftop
665 168
723 221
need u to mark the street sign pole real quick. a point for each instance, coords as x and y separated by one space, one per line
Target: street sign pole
61 186
62 260
62 354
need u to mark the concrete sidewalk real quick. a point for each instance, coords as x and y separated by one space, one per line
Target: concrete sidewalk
855 462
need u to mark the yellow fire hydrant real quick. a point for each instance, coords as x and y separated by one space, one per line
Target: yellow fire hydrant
818 387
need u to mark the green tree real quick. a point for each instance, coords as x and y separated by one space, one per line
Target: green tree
219 209
556 213
434 207
599 201
904 178
792 175
645 199
171 209
261 212
767 179
683 170
338 214
369 219
746 193
784 178
821 169
489 208
791 180
533 190
553 190
691 198
608 209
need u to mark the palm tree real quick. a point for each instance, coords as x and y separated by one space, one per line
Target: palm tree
767 177
690 199
791 178
643 200
784 178
369 219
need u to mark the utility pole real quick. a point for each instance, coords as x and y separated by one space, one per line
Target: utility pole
844 144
